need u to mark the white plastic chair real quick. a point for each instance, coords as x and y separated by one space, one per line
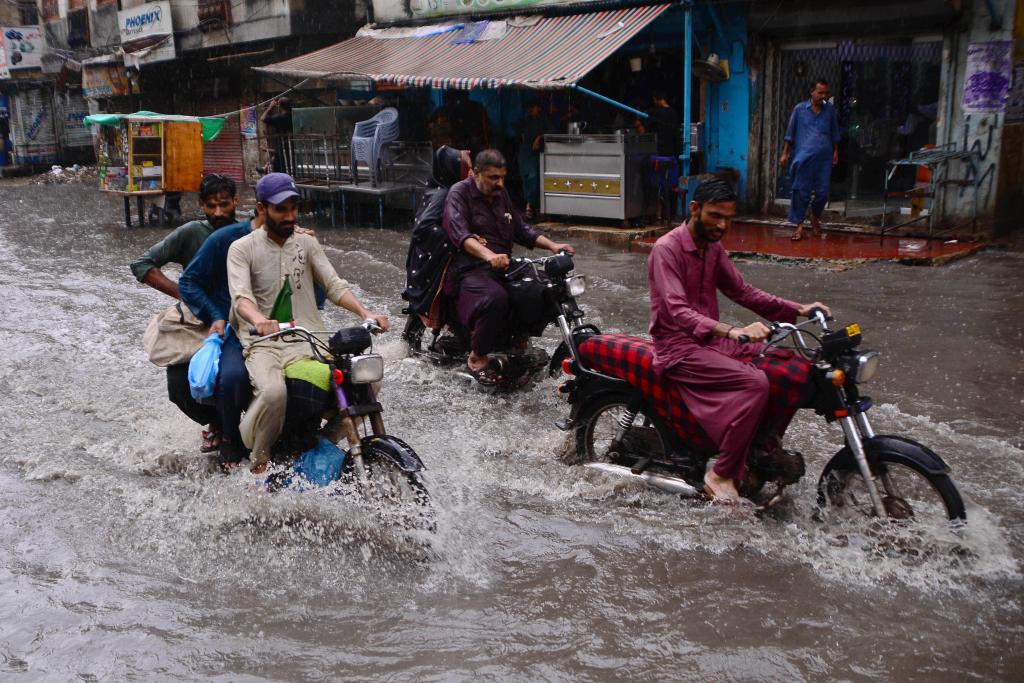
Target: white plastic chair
369 142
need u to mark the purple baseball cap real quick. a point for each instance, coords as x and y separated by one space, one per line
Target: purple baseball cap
275 188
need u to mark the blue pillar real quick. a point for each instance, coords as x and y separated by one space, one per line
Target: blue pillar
687 80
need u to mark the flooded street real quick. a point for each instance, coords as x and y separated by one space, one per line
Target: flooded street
120 557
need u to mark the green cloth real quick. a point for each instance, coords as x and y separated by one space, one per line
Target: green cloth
178 247
282 310
212 125
313 371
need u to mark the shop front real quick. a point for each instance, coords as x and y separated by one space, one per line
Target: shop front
588 76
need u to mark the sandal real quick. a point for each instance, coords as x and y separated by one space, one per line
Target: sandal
211 441
485 375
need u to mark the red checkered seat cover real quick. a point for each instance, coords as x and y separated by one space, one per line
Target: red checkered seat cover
632 359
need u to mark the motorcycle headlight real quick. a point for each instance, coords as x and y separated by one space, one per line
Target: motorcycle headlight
366 369
867 366
577 284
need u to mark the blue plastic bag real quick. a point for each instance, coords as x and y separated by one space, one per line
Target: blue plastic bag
319 465
202 369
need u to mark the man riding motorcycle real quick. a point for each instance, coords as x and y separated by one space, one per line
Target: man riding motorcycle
483 224
271 276
708 359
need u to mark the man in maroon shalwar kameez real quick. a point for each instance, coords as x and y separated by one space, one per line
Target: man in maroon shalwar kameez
696 351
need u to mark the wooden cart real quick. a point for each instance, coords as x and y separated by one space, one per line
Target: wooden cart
148 156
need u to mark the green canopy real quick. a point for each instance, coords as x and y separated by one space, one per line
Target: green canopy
212 125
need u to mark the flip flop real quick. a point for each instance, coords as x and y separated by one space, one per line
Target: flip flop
719 500
485 375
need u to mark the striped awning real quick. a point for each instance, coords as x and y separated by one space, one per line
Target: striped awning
554 52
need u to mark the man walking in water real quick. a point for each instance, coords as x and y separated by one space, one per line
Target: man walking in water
703 356
813 137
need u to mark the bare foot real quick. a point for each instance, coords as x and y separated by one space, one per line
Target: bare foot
719 488
798 234
259 468
476 362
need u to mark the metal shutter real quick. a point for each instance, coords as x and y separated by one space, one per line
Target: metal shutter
224 154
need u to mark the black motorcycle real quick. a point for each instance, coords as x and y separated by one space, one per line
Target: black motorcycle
375 462
541 292
625 423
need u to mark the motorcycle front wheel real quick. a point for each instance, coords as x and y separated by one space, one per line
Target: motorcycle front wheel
597 423
909 491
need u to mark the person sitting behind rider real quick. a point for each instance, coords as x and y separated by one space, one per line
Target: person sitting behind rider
218 198
483 224
695 350
263 266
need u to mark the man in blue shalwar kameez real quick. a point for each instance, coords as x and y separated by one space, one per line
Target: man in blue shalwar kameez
813 137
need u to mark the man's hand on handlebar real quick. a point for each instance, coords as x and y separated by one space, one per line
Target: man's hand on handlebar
567 248
266 327
498 261
754 332
380 319
806 309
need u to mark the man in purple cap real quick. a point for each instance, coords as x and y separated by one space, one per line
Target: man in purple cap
270 262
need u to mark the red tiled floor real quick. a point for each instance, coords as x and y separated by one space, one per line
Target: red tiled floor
773 240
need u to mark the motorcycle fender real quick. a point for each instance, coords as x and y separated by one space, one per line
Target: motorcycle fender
393 449
555 364
906 449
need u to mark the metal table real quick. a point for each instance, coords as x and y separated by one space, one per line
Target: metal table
937 160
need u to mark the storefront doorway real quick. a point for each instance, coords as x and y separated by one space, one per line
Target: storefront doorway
886 95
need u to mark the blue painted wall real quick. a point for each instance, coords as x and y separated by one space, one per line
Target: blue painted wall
728 112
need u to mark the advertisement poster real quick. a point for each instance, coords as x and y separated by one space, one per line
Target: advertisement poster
247 123
987 79
23 47
4 72
147 33
104 77
35 141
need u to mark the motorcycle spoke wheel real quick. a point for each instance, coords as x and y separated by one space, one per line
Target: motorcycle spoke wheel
595 436
908 495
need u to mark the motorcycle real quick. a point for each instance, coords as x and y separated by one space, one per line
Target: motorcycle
332 397
624 423
541 291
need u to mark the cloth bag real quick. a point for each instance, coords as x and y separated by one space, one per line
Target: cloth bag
173 336
203 368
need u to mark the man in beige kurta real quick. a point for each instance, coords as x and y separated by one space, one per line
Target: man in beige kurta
258 265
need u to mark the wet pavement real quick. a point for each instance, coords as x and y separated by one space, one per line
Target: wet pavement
120 557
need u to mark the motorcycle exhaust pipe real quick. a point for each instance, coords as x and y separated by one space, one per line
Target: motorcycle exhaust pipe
670 484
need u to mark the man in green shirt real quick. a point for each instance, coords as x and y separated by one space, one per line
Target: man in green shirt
218 197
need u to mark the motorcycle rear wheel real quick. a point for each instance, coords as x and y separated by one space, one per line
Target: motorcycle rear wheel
596 426
909 492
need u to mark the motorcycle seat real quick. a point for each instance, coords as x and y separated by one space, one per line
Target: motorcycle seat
632 359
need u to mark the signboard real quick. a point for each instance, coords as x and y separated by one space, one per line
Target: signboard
23 47
397 10
247 123
987 78
4 71
104 77
147 33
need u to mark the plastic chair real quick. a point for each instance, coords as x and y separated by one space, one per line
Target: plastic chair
370 139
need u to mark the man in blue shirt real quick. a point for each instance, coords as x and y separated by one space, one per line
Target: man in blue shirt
813 137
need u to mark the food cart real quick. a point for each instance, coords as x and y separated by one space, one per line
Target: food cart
147 155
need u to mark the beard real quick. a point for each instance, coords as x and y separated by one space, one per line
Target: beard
284 229
221 221
706 234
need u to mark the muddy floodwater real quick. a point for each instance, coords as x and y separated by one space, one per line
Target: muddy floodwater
122 558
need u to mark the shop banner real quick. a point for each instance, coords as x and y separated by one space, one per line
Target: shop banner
247 123
104 77
147 33
34 138
397 10
23 47
4 71
987 79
